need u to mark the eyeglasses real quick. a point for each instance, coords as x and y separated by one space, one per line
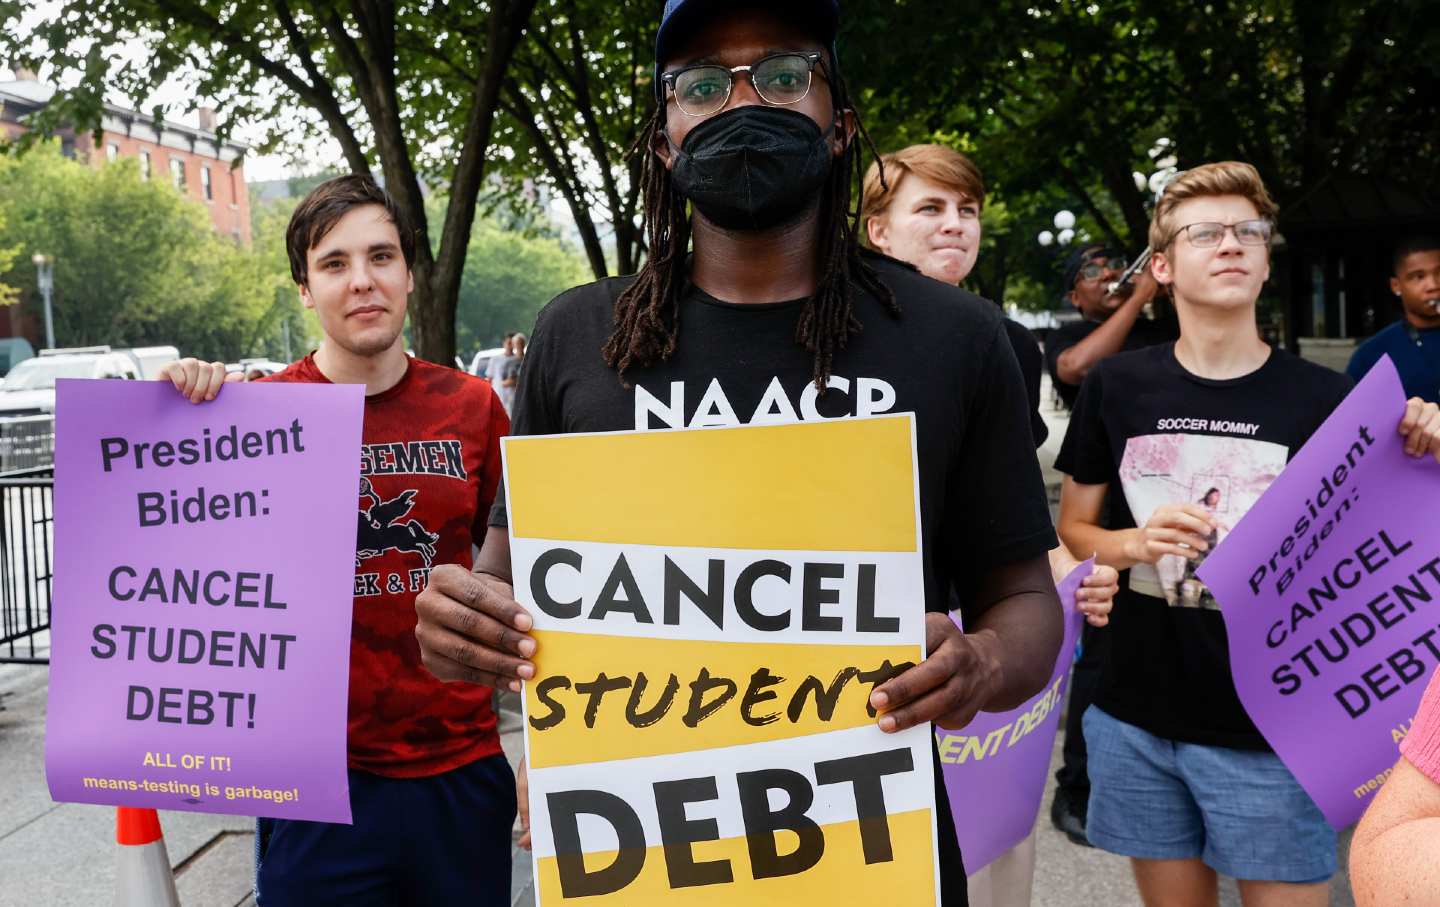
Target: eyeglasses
780 80
1093 269
1210 235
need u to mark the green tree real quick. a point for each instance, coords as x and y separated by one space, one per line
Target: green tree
135 262
508 278
409 89
286 317
577 96
1059 102
8 295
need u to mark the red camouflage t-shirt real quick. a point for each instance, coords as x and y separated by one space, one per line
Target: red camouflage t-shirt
429 467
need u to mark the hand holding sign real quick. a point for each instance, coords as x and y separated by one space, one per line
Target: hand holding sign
195 380
954 681
471 628
1421 428
1095 597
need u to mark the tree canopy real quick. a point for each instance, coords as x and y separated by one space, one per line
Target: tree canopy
9 295
577 97
508 278
135 262
409 90
1060 102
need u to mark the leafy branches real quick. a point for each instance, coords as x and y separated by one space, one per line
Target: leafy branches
409 89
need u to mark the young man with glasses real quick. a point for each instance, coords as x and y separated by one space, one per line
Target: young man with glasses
1184 438
1109 323
762 324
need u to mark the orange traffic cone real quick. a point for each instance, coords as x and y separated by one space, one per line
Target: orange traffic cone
144 878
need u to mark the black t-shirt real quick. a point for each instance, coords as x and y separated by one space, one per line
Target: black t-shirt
946 359
1027 353
1157 434
1143 334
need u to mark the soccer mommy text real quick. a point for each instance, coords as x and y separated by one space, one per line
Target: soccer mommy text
1330 590
203 575
708 640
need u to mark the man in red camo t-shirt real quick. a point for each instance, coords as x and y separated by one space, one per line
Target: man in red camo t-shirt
432 795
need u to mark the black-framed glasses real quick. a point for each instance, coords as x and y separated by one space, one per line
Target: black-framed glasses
1094 268
1207 235
780 80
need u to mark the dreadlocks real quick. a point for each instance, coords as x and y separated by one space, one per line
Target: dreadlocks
647 313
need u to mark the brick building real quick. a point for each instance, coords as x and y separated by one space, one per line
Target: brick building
193 159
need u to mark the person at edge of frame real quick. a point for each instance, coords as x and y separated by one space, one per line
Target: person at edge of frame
756 130
1395 849
431 793
1413 340
1181 780
922 207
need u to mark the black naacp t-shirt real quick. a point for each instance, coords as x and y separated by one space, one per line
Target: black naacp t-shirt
1143 334
1157 434
946 359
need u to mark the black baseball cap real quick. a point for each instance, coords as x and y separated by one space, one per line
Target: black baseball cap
1081 256
682 17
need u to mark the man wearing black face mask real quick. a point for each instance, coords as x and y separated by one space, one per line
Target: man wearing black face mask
763 324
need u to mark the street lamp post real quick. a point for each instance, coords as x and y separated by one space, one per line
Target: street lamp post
1065 225
45 277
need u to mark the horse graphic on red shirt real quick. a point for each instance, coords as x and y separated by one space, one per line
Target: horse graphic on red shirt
378 531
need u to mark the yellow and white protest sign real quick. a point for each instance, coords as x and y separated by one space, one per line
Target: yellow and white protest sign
713 608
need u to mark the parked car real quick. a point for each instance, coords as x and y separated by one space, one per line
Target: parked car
481 360
254 368
150 359
13 351
29 388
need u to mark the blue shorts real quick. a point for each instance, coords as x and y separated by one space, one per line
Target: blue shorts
1242 812
438 840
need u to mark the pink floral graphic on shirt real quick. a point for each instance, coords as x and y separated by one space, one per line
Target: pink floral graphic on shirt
1224 475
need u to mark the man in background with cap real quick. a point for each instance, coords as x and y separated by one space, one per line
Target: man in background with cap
1109 322
755 134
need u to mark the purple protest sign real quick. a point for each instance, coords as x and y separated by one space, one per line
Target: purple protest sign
1330 592
204 562
995 770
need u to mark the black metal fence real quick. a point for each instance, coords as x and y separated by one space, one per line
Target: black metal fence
27 520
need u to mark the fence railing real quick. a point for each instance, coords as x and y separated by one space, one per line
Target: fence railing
26 442
27 521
